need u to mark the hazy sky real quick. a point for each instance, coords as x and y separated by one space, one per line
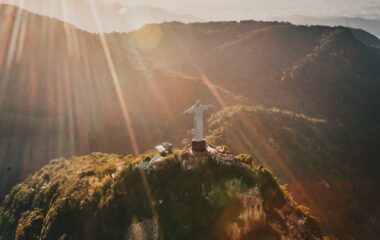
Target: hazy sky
78 12
240 9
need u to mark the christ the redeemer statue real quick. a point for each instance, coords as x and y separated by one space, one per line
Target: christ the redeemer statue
197 110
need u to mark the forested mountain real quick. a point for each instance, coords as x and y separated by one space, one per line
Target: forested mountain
67 92
326 166
369 25
320 71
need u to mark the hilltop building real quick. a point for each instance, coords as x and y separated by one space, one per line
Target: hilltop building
164 148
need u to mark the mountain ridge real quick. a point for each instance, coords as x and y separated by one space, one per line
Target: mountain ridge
368 25
111 17
267 65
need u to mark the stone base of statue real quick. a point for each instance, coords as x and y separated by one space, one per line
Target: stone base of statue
199 146
192 159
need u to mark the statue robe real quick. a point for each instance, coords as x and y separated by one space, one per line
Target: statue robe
197 110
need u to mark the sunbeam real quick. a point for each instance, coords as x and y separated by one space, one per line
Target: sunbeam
116 82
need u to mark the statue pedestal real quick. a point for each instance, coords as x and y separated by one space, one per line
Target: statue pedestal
199 146
192 159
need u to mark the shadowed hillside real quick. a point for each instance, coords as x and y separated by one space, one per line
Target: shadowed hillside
326 168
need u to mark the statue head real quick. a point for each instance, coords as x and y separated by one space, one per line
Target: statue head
198 102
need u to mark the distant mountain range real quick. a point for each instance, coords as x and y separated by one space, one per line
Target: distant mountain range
65 92
102 17
369 25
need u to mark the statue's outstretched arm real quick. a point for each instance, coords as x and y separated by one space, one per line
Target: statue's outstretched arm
206 107
190 110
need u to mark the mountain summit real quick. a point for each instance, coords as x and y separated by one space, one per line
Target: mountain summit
153 196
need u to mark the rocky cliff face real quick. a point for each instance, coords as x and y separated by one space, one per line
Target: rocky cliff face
107 196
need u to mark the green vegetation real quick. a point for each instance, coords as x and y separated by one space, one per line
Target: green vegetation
323 164
274 135
100 196
245 158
